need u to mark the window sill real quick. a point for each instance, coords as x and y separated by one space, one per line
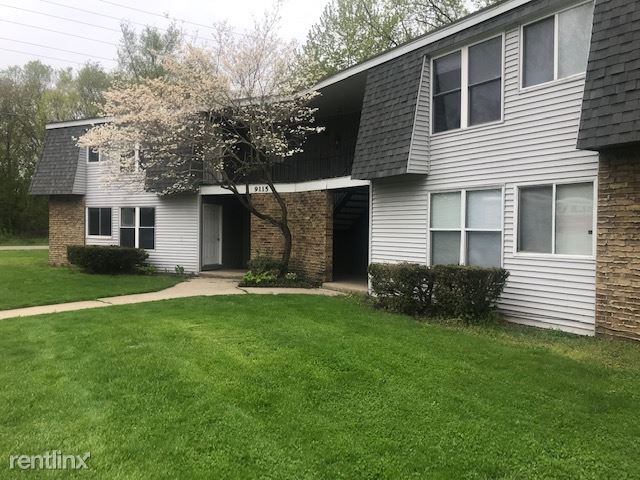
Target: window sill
554 257
469 128
99 237
553 83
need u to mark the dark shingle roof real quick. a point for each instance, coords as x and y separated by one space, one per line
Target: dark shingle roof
611 102
391 94
56 170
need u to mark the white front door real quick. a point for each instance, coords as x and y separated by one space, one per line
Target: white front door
211 234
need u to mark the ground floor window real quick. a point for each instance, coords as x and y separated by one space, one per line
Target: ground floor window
99 222
137 227
556 219
466 227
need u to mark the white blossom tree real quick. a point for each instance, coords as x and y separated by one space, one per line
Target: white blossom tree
228 113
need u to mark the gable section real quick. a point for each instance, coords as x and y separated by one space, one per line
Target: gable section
611 103
56 170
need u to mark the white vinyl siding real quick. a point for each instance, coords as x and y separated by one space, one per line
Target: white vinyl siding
177 228
419 149
535 144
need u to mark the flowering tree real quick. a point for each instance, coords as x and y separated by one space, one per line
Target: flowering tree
225 114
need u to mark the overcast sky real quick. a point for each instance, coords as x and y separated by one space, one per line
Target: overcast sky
18 19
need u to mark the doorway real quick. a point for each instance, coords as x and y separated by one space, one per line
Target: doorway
211 236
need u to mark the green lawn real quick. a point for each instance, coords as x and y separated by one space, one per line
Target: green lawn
26 280
296 387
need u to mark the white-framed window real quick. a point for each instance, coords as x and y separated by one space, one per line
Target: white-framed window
131 162
138 227
467 86
93 155
556 47
99 222
465 227
556 219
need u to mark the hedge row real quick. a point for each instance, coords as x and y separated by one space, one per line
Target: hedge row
111 259
463 292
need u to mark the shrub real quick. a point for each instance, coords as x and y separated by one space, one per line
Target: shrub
266 264
112 259
465 292
268 279
404 287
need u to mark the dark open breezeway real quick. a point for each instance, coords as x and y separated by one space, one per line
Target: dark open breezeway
225 233
350 233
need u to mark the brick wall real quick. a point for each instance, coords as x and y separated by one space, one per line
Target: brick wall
66 226
618 260
311 224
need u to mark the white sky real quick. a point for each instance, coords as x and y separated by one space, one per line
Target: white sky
297 17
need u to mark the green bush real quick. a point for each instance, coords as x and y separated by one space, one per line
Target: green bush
463 292
266 264
111 259
268 279
403 287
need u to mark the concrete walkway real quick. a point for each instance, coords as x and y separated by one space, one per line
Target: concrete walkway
24 247
201 286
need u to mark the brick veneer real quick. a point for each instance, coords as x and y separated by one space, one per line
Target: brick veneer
66 226
311 224
618 259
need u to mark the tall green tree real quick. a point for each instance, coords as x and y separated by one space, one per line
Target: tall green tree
351 31
140 54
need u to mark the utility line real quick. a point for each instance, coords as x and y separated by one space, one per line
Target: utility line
58 31
88 55
112 17
67 19
41 56
166 17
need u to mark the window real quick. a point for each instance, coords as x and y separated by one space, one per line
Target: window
485 82
99 222
466 228
467 86
137 227
547 56
447 92
130 162
556 219
93 155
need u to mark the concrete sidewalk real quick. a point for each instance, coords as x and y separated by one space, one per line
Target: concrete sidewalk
24 247
200 286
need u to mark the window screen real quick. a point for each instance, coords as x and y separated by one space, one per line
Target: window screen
485 81
447 88
539 44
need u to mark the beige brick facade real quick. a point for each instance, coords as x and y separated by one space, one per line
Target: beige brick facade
66 226
618 260
311 224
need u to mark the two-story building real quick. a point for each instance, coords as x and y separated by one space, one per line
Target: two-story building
464 146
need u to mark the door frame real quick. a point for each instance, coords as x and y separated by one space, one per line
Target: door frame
211 266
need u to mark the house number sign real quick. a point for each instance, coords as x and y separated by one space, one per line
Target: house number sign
261 189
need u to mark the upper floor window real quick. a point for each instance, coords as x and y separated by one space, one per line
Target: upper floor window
93 155
556 47
556 219
467 86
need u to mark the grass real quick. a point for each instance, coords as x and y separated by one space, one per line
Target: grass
303 387
27 280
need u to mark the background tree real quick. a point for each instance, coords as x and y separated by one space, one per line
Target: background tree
31 96
140 54
231 112
351 31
